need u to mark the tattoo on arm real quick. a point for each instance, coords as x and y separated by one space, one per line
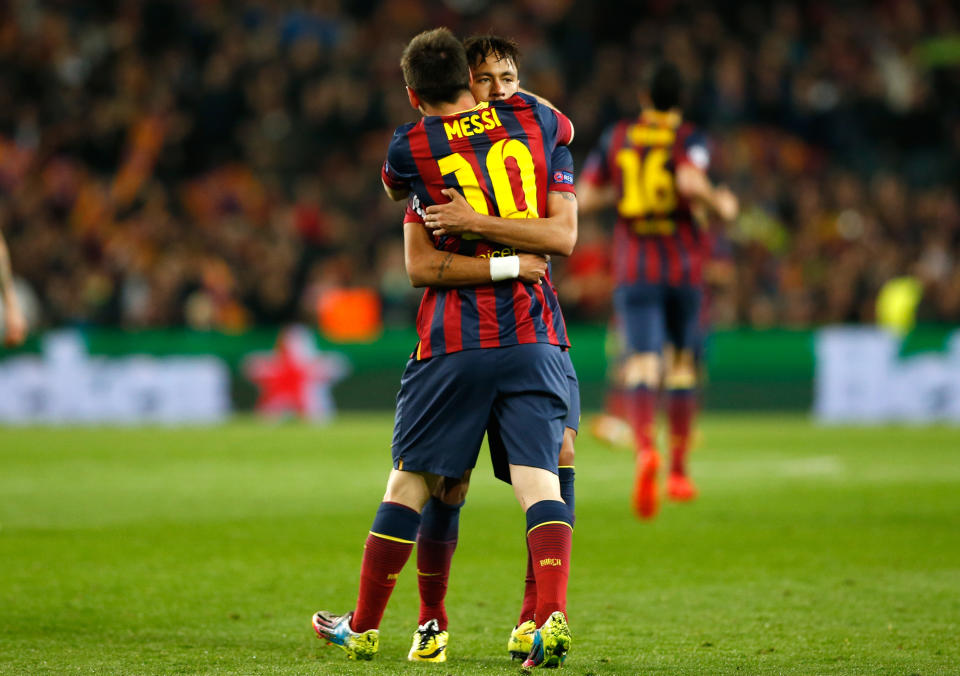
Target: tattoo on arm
569 196
444 264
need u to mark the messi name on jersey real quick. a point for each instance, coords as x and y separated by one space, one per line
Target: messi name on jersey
477 123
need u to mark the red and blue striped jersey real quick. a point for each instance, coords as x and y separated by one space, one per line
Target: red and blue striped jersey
656 239
500 156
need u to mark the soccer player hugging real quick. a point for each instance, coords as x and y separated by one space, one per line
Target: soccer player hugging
489 189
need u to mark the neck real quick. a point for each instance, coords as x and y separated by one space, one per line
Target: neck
464 102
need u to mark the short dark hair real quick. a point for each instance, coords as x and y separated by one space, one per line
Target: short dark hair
435 66
666 86
479 47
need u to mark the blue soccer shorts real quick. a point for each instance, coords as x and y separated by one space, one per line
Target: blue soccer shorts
446 403
651 315
498 452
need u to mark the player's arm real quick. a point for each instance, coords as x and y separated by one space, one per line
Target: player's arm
428 266
554 235
396 171
396 194
594 197
693 184
15 325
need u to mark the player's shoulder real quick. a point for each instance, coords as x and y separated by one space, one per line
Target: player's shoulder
519 100
404 130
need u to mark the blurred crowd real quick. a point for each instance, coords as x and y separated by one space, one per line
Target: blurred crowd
216 164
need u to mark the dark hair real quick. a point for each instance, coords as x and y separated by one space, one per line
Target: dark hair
479 47
666 86
435 66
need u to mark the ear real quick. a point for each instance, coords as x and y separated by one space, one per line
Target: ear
413 99
471 77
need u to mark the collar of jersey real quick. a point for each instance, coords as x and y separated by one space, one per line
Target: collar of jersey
479 106
662 118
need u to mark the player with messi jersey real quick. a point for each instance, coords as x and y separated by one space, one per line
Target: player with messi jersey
493 63
653 168
488 352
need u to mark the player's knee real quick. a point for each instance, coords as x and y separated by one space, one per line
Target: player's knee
681 371
453 491
567 448
642 370
533 484
410 489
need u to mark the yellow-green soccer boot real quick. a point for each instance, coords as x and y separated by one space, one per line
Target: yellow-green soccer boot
550 644
521 640
429 643
335 630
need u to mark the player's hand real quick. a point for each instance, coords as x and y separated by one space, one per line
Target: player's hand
456 217
726 203
14 325
533 267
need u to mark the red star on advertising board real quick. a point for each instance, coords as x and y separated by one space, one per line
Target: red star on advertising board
295 378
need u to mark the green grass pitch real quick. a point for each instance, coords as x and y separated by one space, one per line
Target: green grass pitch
181 551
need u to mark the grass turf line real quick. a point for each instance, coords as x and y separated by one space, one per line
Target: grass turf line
160 551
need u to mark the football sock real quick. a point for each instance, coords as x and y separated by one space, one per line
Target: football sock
550 538
681 408
566 490
529 606
643 402
616 403
436 542
386 551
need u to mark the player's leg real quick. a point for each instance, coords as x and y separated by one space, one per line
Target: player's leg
680 381
436 544
531 408
611 426
522 633
387 548
431 439
640 311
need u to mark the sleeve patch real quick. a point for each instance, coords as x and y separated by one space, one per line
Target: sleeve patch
563 177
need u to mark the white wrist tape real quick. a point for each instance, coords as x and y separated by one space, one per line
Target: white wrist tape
504 267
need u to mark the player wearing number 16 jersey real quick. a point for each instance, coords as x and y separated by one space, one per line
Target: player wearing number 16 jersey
653 168
490 352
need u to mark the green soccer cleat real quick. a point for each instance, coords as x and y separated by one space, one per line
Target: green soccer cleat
429 643
550 644
335 630
521 640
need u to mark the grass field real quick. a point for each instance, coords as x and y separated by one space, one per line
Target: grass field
811 551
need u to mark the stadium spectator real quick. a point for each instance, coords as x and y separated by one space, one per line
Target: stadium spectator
151 150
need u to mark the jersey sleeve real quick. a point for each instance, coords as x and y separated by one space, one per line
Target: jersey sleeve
561 170
694 151
596 169
399 167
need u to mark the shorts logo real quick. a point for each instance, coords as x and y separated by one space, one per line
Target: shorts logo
563 177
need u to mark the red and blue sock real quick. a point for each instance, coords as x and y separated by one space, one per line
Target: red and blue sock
387 549
642 410
436 543
529 606
550 539
681 410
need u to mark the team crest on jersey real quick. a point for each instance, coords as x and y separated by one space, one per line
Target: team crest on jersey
563 177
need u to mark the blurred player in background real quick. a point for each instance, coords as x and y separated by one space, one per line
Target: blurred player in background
494 63
654 169
14 322
488 352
